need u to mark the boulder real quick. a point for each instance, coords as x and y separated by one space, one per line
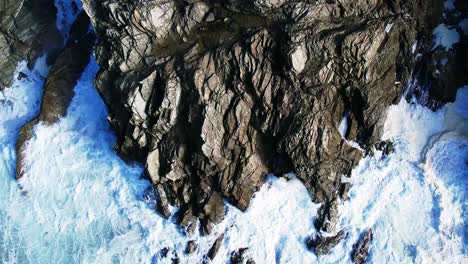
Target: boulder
240 256
323 245
191 247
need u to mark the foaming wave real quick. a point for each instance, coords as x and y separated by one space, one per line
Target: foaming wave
416 198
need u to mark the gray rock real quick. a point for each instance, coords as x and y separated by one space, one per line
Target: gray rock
327 217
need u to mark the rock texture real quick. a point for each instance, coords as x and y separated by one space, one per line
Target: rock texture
60 82
213 95
214 248
240 256
440 70
362 247
27 30
191 247
323 245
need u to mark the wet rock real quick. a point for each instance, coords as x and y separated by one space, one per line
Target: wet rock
344 191
385 146
164 252
191 247
323 245
240 256
362 247
175 258
212 213
74 7
60 82
211 107
185 217
162 203
26 133
440 70
22 75
67 69
215 247
327 217
27 30
326 223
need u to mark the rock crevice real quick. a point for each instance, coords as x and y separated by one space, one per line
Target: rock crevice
213 95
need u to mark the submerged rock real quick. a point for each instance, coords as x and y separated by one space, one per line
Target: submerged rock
211 97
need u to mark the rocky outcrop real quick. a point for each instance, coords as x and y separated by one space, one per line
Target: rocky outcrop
362 247
214 248
323 245
385 146
213 95
191 247
27 30
441 65
327 217
240 256
60 82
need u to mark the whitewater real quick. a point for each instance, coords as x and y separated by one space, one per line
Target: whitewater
80 203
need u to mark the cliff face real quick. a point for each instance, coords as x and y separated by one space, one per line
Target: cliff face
27 30
213 95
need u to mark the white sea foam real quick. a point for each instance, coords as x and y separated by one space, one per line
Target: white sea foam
415 198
